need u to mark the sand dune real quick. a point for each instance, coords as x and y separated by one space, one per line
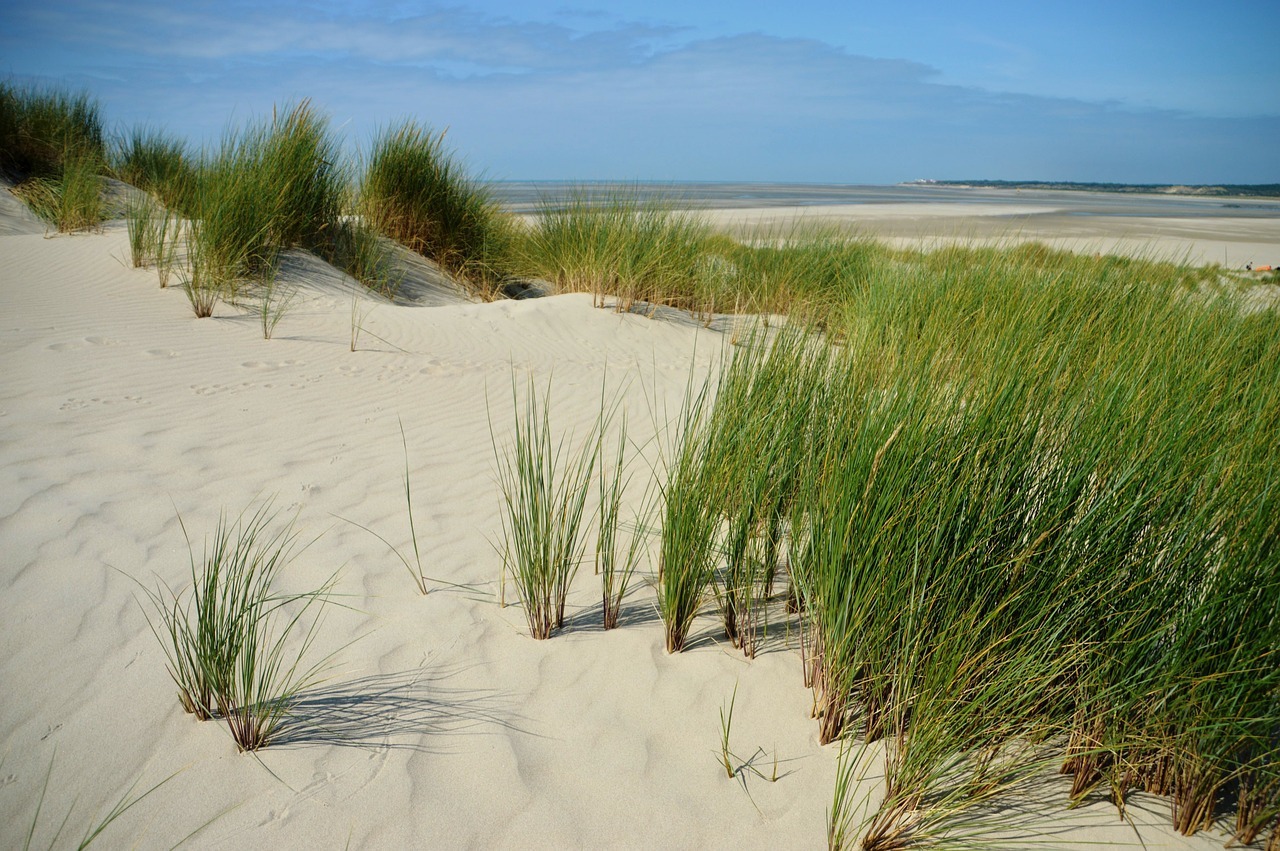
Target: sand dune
442 723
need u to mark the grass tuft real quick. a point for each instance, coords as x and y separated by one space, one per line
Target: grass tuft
638 251
230 644
544 490
156 163
616 564
415 191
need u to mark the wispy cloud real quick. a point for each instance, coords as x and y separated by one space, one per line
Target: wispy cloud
580 96
240 31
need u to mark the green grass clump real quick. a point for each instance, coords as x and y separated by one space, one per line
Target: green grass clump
51 141
278 184
544 490
620 245
42 129
763 450
142 216
232 645
71 200
156 163
358 250
1029 513
615 563
690 521
416 191
806 271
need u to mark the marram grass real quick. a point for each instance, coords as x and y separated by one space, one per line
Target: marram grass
544 483
235 645
416 191
1029 504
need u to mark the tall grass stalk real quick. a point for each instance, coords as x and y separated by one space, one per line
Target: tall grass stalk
544 485
156 163
687 547
168 236
128 800
841 815
616 564
273 300
141 220
201 280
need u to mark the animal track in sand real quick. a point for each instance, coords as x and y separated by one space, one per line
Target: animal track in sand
79 404
215 389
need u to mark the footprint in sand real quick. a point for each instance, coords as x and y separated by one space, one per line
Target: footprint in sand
263 364
80 344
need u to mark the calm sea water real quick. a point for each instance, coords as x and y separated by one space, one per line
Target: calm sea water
527 196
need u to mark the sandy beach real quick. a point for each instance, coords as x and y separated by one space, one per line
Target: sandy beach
441 723
1246 232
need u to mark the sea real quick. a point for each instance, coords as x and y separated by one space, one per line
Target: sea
530 196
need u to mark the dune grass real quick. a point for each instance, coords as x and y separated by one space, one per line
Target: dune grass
157 163
358 250
416 191
41 129
276 184
1025 501
1029 506
146 225
52 143
616 563
688 539
617 246
544 485
72 199
235 646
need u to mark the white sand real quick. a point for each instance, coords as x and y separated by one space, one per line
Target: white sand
444 724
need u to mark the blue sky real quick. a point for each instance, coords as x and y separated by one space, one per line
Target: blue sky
841 92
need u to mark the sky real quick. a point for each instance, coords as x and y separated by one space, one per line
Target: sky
1127 91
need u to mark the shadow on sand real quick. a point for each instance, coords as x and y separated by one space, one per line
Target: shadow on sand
417 709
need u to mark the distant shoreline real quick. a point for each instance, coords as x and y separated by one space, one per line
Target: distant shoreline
1231 190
